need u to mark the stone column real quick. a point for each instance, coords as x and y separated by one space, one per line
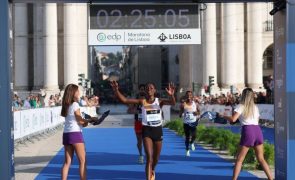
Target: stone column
255 52
60 41
82 39
233 45
21 65
196 58
190 68
185 70
210 43
70 44
50 47
38 47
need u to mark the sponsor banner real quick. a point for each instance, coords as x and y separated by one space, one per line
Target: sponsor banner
56 118
89 110
35 120
27 122
17 124
48 117
219 109
144 36
166 112
227 110
41 119
208 107
266 111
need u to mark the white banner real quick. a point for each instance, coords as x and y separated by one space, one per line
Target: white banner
227 110
56 118
27 122
17 124
89 110
166 112
266 111
35 116
48 117
143 36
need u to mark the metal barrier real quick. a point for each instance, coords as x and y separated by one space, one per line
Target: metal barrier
266 110
31 122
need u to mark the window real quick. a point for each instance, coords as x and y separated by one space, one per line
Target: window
268 58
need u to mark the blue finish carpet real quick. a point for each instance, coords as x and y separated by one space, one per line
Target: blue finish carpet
112 154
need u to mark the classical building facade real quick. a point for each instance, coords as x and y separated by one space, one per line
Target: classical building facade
50 47
236 49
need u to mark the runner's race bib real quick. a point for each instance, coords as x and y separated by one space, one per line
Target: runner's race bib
189 117
153 117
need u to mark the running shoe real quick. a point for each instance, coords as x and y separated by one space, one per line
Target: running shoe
193 148
140 160
187 153
102 118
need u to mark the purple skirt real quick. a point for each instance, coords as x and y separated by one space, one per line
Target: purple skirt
251 136
72 138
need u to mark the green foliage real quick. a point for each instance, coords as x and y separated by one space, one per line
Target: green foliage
176 125
233 150
225 140
250 157
269 153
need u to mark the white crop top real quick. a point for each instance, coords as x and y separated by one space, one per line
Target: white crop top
151 113
71 123
188 113
254 120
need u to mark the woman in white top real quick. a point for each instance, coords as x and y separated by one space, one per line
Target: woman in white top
51 101
152 133
72 135
190 112
251 136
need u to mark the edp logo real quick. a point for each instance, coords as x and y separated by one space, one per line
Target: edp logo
102 37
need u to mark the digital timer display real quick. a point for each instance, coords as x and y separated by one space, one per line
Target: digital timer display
144 16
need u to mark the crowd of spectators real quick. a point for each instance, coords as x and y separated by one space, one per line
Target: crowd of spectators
232 99
38 101
54 100
31 101
223 99
228 99
89 101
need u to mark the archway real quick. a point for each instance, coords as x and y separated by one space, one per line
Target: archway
268 59
268 72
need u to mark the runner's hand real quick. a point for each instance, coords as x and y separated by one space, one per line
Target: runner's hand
171 89
85 124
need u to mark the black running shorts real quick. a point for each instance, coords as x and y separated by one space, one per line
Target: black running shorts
155 133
